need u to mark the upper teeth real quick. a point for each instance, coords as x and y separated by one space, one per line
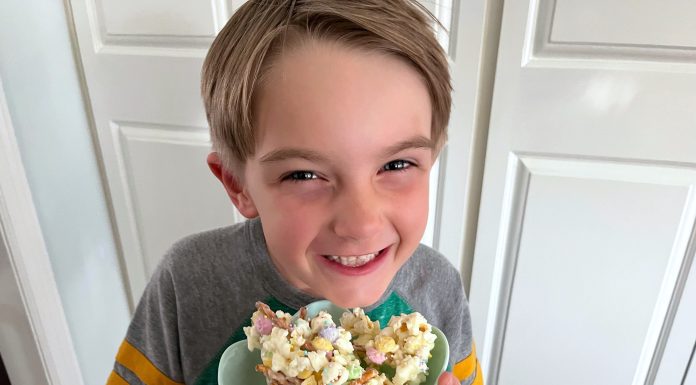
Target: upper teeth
353 260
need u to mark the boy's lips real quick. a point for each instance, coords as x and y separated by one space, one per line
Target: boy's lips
356 264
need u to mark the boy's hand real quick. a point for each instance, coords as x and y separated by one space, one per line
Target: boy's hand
447 378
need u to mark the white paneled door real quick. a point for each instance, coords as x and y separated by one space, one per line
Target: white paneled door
583 267
142 62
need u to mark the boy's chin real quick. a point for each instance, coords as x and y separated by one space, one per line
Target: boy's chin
360 298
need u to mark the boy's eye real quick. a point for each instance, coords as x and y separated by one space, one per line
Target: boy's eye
299 176
397 165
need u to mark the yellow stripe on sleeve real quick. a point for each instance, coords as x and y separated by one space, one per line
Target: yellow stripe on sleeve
136 362
478 380
466 367
115 379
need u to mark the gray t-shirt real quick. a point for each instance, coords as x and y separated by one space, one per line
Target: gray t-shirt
204 291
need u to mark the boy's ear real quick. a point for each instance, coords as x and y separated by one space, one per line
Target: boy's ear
235 190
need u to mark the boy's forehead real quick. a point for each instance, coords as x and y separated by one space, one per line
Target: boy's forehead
330 69
351 94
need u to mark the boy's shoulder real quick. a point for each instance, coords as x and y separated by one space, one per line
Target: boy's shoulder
202 291
207 242
428 268
207 257
428 279
431 285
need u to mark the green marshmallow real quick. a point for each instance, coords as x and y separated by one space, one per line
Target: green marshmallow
355 371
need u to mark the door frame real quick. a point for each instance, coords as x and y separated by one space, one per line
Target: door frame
22 240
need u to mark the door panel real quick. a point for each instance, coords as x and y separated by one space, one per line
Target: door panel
621 23
567 296
158 186
599 34
156 18
172 28
588 211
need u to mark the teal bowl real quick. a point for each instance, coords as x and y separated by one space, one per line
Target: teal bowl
237 362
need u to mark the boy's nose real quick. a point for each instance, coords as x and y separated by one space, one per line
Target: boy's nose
358 215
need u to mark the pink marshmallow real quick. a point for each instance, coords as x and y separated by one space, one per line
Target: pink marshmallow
264 326
375 356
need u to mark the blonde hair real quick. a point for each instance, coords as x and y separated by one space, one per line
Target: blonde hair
258 32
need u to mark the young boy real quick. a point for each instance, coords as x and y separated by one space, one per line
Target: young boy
326 117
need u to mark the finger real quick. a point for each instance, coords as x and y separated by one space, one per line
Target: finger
447 378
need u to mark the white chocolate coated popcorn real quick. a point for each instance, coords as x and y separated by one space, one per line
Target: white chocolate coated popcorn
318 352
360 326
415 339
334 373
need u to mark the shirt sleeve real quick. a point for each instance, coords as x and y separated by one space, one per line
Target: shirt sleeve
149 354
465 364
468 370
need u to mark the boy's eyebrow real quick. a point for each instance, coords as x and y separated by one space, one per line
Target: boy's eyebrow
417 141
313 156
289 153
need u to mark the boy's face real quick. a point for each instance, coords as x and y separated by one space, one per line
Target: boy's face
340 174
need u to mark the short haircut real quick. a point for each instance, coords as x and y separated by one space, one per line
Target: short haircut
260 30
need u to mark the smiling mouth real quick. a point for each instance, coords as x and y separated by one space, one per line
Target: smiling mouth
353 260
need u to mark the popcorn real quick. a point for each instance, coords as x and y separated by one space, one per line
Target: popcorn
319 352
360 326
317 360
408 371
414 339
334 373
414 334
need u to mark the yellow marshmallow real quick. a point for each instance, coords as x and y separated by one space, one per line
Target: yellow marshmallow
305 374
320 343
385 344
267 361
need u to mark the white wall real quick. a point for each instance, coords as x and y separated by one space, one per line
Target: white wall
44 98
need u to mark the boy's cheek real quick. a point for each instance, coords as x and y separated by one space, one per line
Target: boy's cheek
414 194
412 222
405 180
295 220
291 197
301 213
304 193
412 209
